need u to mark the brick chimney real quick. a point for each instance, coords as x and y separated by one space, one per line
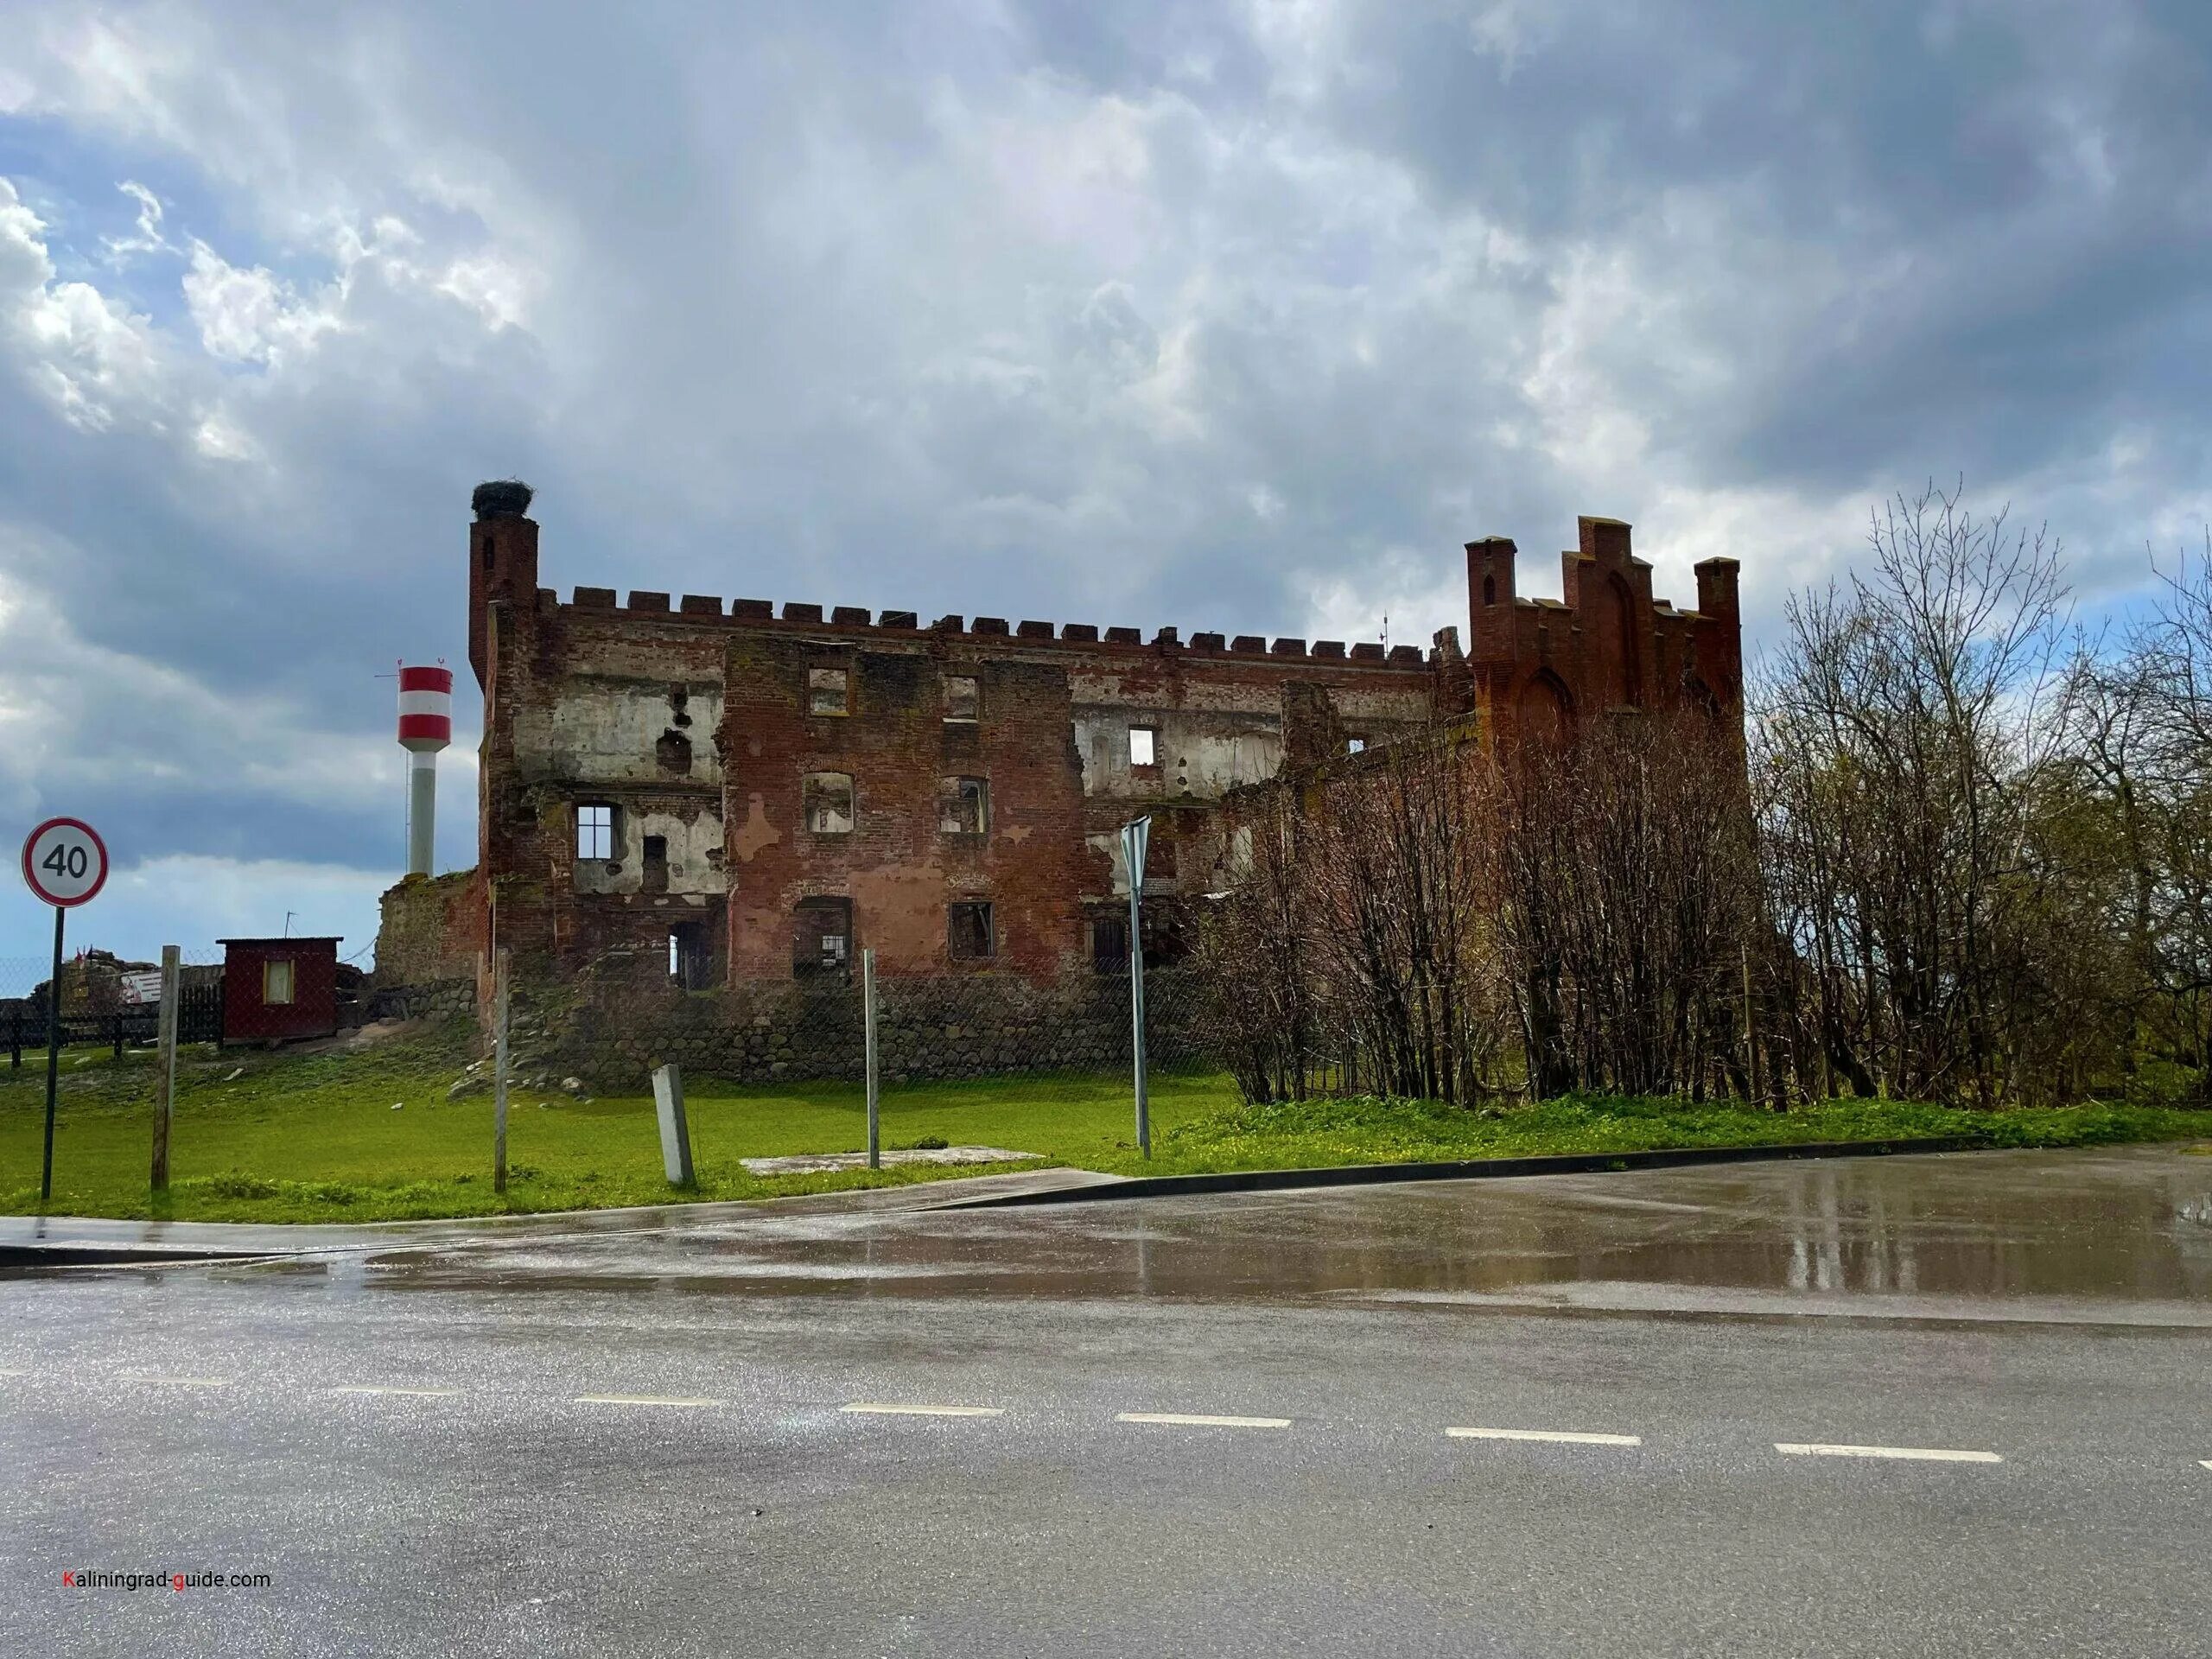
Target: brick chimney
502 557
1491 593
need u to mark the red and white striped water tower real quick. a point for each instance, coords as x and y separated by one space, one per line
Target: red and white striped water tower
425 726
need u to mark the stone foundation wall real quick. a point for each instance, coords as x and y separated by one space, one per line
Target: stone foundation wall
441 999
927 1028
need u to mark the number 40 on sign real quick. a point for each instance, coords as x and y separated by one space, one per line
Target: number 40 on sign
65 863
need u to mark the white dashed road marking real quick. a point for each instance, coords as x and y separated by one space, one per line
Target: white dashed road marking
1193 1421
1563 1436
186 1382
2207 1462
378 1388
873 1410
641 1400
1918 1453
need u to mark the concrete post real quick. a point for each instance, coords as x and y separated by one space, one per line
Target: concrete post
499 1070
867 1026
165 1065
675 1130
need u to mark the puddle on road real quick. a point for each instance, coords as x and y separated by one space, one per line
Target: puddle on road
2128 1226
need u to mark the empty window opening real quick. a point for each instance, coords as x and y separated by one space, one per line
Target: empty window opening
673 751
1110 945
826 802
1490 590
964 806
828 691
487 550
963 700
656 873
594 832
821 937
1144 746
276 983
692 963
970 936
679 705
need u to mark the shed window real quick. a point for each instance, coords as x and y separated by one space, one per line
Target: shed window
826 800
971 939
594 832
276 981
828 691
962 701
964 806
1144 746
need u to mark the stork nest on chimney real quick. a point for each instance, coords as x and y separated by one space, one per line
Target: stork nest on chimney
501 498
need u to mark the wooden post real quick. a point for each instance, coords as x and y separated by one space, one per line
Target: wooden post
165 1065
499 1071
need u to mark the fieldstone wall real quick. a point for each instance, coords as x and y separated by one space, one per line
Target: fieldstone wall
439 999
927 1028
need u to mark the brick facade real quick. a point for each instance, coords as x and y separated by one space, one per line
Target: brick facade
643 776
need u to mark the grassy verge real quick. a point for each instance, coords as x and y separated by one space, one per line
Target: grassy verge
371 1135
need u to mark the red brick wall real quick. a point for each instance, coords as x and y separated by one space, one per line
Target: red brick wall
895 865
1606 645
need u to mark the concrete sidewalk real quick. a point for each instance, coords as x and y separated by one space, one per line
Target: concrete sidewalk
62 1240
96 1241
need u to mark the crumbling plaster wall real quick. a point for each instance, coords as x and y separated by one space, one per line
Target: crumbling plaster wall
694 842
599 732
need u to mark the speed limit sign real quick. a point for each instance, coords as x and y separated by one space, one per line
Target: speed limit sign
65 861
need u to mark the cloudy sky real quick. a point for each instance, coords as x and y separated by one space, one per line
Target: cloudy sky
1240 316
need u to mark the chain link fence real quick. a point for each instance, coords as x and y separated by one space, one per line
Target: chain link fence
624 1014
272 995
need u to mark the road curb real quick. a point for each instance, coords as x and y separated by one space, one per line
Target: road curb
77 1254
1470 1169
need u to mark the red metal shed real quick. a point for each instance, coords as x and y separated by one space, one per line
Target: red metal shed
274 991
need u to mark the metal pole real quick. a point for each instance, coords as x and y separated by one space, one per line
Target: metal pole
1135 840
165 1067
53 1059
499 1071
422 810
867 1028
1750 1035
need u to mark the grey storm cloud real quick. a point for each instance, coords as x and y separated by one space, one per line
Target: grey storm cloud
1239 317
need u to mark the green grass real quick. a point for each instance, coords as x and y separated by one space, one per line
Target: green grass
296 1138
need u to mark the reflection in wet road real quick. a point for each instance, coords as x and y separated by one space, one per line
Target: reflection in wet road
1221 1426
2124 1234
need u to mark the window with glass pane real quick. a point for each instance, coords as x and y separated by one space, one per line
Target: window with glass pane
594 832
276 983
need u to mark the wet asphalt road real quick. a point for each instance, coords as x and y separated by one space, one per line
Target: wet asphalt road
637 1442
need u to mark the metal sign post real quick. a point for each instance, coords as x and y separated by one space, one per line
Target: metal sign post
65 863
499 965
1137 839
868 1025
